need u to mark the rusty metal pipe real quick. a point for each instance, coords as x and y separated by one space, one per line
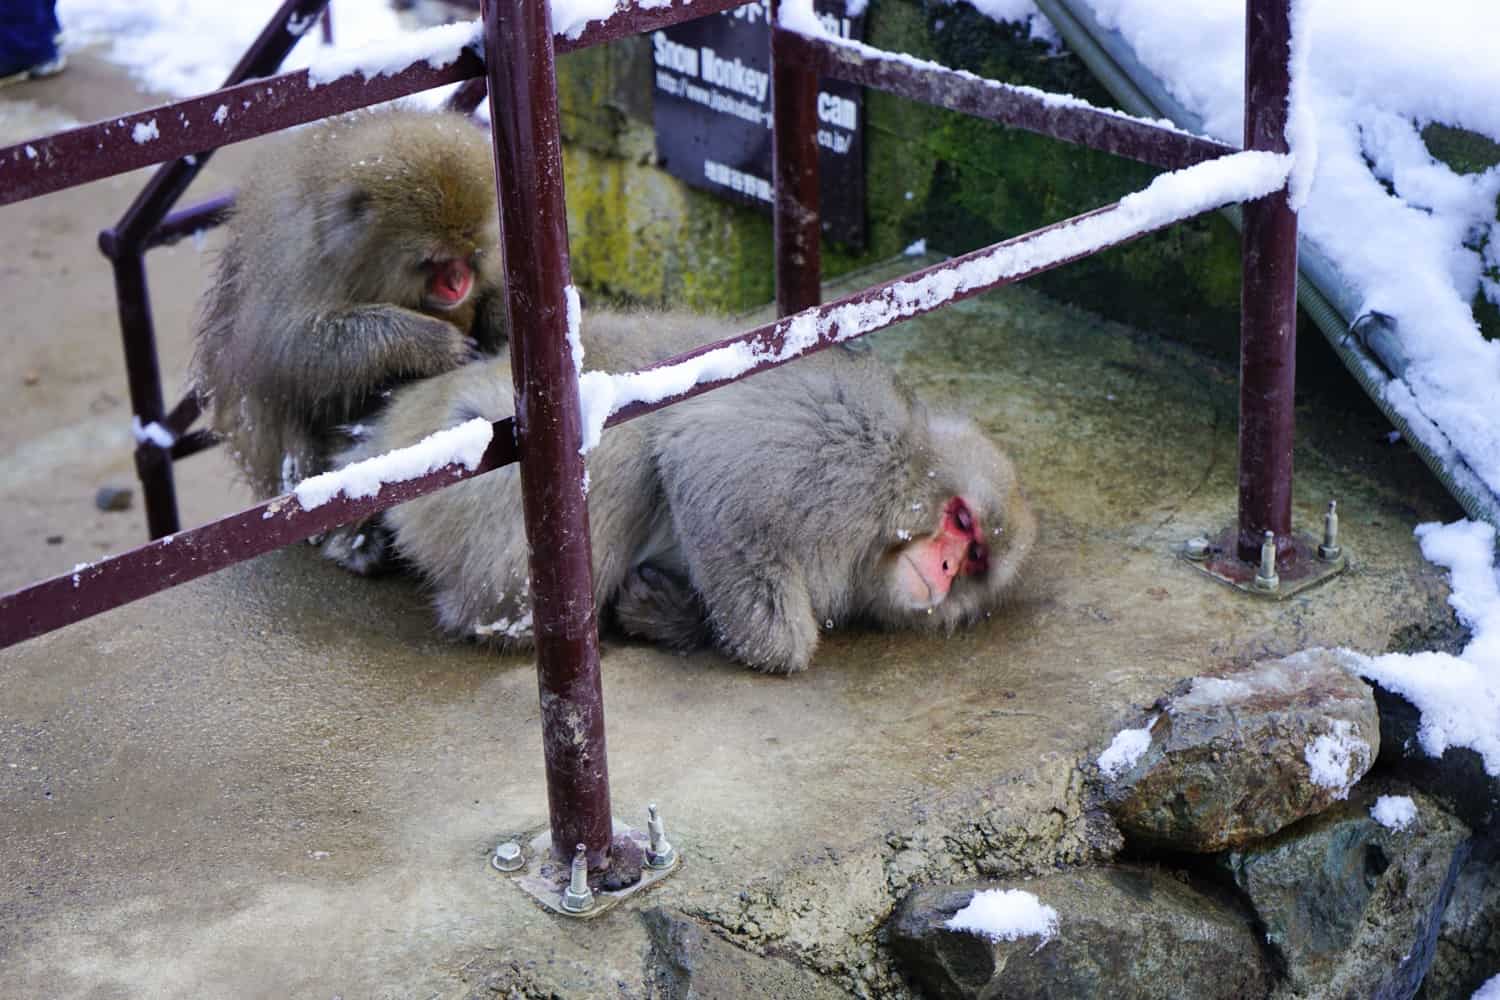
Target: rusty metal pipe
1014 106
796 217
1268 298
534 234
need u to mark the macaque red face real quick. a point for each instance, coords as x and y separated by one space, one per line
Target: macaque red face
449 282
926 567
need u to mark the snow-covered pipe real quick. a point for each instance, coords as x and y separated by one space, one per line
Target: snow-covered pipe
1329 301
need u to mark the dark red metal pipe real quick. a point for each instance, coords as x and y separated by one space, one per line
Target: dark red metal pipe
796 215
1014 106
1268 297
176 559
534 233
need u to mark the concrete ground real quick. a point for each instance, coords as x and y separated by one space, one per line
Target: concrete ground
278 781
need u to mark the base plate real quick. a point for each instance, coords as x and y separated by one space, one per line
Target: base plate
1298 568
544 878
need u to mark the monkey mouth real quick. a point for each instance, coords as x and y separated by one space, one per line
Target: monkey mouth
450 284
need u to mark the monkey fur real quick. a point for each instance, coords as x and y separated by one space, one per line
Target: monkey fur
361 253
749 518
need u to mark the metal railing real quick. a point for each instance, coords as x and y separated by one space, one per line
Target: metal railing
518 70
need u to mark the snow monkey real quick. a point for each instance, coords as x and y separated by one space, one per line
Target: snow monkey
362 252
749 518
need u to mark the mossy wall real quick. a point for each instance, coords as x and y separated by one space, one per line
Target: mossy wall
639 234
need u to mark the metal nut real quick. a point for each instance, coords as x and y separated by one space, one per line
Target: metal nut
508 857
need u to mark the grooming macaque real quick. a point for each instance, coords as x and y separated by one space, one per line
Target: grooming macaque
362 253
751 517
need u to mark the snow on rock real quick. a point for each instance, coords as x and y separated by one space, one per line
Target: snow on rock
1006 915
1394 812
462 445
1125 749
1332 758
1458 696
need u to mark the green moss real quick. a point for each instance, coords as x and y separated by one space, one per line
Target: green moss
1466 152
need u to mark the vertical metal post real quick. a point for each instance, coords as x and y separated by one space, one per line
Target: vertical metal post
794 170
529 181
125 245
153 465
1268 297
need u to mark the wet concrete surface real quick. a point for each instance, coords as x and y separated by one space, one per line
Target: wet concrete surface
279 781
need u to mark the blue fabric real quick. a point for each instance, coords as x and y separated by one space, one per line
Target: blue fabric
28 34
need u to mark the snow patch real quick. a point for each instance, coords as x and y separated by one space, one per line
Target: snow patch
1394 812
1006 915
462 445
1125 749
1332 757
1458 696
145 132
438 47
152 433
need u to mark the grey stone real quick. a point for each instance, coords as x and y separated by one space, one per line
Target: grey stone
1231 757
114 497
1123 932
687 961
1468 944
1350 907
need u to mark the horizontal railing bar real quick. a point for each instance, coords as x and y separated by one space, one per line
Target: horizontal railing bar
193 442
770 339
193 219
190 554
1053 115
252 109
97 587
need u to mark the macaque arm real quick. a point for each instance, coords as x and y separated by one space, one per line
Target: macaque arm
764 619
346 354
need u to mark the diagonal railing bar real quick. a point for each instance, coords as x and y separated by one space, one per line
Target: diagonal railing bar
188 127
264 56
1053 115
189 554
159 565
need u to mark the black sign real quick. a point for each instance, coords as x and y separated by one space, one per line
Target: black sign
713 114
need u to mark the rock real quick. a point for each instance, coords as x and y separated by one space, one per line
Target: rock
113 497
1234 758
1457 778
1123 932
1352 908
1468 944
687 961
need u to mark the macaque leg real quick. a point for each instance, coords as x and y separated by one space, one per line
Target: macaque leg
765 623
364 548
656 605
